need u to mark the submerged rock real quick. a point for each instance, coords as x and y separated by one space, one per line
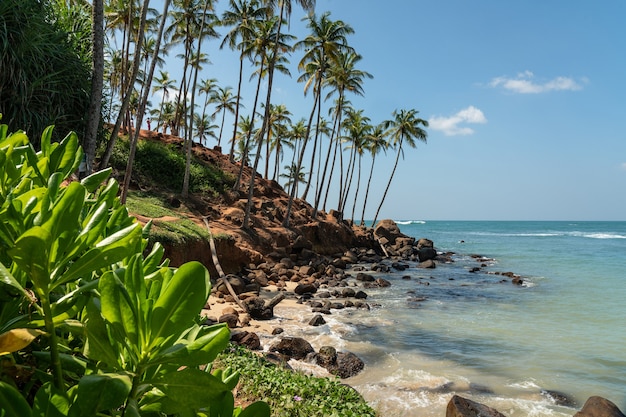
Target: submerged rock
462 407
599 407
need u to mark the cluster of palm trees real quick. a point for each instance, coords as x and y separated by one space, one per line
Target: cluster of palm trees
318 154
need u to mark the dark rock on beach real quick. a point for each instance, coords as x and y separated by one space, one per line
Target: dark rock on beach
462 407
292 347
599 407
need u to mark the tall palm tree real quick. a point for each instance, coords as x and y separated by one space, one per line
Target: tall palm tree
225 102
203 127
129 85
325 42
207 87
143 102
405 127
343 76
358 127
164 84
244 17
279 117
376 141
206 29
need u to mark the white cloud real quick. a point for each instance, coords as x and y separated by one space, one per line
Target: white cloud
450 125
524 83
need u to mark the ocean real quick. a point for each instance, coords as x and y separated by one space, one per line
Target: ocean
438 332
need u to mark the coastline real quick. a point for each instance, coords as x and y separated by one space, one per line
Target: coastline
294 316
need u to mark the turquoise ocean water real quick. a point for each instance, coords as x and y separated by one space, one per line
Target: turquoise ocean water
449 331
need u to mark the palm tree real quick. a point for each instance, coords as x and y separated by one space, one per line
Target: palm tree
343 76
207 87
293 177
129 85
279 116
225 102
203 127
143 102
244 16
404 127
326 41
376 141
358 128
164 84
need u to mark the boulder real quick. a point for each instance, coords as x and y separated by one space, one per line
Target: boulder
230 319
258 309
462 407
389 230
599 407
326 357
305 288
425 243
429 264
292 347
248 339
317 320
426 254
348 364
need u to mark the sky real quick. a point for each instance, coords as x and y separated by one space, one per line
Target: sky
526 103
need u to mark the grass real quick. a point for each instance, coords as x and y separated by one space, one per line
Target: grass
290 393
171 231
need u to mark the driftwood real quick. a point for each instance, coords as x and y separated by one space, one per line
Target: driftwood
219 269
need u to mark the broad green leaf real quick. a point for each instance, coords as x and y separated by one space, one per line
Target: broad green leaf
107 252
152 262
17 339
50 402
46 139
99 392
93 181
12 404
64 220
98 346
31 254
180 301
118 309
69 362
257 409
109 193
9 285
66 157
197 351
192 388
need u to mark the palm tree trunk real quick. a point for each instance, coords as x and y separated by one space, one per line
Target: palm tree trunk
367 190
97 82
129 87
317 132
356 192
395 165
142 105
232 146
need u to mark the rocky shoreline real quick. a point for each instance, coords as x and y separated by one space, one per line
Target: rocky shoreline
320 284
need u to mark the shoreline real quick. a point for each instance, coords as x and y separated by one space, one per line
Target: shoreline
301 312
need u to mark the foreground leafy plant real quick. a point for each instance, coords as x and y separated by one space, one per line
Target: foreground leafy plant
89 325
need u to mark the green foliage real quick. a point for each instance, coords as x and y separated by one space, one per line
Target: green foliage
90 324
43 80
164 166
292 393
164 231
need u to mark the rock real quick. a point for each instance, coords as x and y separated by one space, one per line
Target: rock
559 398
348 364
426 254
425 243
307 270
382 283
389 230
326 357
260 310
317 320
462 407
364 277
248 339
293 347
305 288
237 283
429 264
360 295
230 310
599 407
230 319
348 292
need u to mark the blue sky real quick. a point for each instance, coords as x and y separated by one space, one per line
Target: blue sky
526 103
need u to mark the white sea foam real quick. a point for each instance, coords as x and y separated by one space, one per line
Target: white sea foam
406 222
